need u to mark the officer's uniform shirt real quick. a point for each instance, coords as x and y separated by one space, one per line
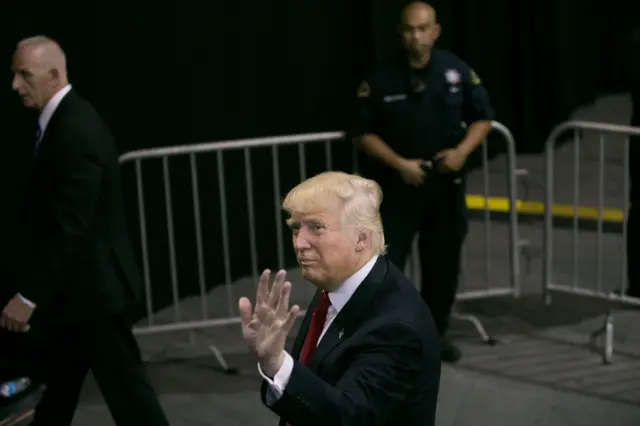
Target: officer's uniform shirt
419 112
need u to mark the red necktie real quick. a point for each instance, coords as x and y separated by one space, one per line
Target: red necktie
315 329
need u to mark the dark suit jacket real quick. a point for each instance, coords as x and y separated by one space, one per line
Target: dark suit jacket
378 363
77 259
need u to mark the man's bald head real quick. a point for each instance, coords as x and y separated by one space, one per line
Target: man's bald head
418 8
419 29
40 70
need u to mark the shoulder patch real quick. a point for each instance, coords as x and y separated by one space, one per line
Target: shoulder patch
475 79
363 90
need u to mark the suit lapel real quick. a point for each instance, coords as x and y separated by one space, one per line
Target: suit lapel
348 319
47 140
44 148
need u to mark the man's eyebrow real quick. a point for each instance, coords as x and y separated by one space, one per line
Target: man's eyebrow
309 222
23 71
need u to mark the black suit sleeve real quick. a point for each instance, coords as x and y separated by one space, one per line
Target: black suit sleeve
383 374
76 193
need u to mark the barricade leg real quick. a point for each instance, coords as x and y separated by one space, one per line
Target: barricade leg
605 333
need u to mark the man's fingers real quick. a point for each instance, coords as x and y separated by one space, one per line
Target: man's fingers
16 326
283 303
280 277
6 321
263 287
13 325
246 311
274 295
291 319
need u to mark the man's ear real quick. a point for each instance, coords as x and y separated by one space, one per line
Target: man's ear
436 32
363 241
54 73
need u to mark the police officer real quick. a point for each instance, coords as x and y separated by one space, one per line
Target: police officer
409 123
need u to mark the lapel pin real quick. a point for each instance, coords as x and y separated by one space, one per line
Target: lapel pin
340 334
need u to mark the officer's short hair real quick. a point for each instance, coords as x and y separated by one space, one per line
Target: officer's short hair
360 199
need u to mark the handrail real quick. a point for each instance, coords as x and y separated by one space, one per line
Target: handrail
589 125
142 154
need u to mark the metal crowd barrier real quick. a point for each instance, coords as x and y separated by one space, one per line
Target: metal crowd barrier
219 148
599 280
245 146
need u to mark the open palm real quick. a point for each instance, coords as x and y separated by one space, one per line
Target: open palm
265 329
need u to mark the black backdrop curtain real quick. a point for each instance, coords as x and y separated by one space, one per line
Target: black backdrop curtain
185 72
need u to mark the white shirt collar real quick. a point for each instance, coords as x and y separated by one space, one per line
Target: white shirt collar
341 296
50 108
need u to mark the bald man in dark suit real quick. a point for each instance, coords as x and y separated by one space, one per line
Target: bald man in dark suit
71 299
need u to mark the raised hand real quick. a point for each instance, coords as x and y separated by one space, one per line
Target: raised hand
266 327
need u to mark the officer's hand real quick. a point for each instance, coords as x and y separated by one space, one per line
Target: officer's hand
451 160
412 172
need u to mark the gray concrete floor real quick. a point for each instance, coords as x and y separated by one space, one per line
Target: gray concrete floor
543 371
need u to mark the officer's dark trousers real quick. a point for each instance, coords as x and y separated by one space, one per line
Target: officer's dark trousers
437 212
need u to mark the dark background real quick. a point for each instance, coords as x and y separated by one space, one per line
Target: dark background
186 72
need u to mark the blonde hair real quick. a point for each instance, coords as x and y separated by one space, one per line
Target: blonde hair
360 200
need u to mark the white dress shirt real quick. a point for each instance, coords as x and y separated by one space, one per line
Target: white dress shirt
51 106
338 299
43 122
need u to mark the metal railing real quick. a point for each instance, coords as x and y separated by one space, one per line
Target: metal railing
589 274
219 149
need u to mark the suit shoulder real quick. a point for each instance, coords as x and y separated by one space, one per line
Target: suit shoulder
403 303
83 127
79 107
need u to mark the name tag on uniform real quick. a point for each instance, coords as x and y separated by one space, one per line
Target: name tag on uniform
395 98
